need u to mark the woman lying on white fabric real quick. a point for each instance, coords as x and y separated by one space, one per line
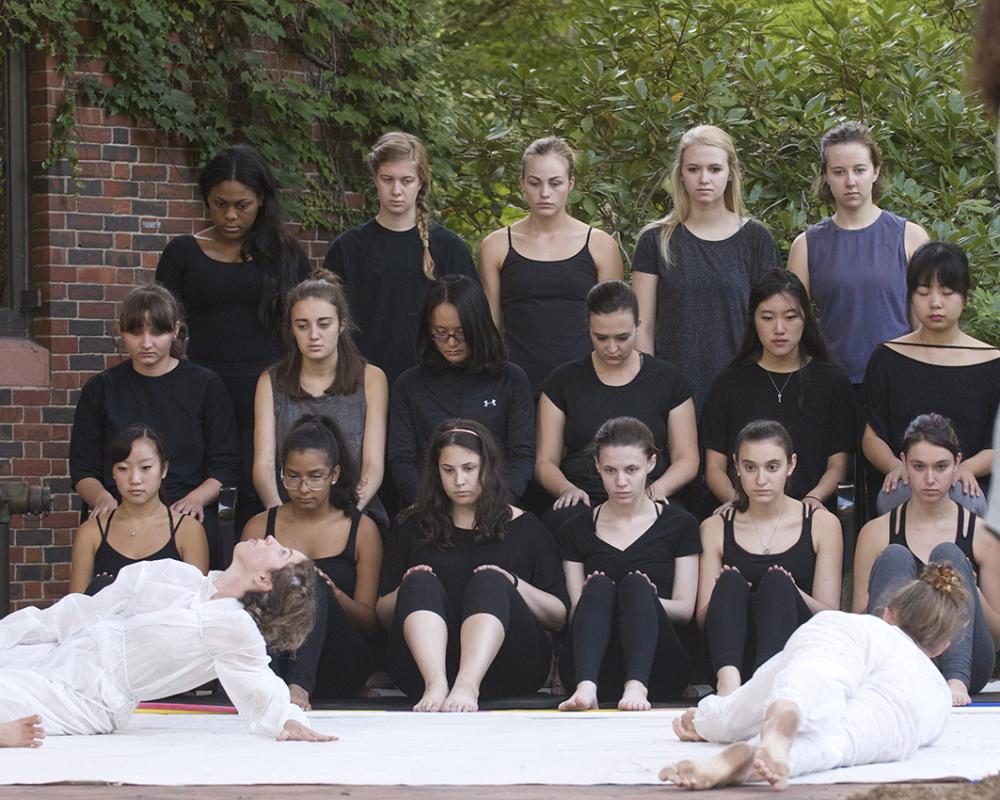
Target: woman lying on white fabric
848 689
84 664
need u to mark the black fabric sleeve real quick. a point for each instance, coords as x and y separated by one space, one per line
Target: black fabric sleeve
170 268
457 257
647 253
713 428
876 394
546 566
86 444
843 433
402 442
566 537
334 260
519 435
680 390
554 386
396 558
688 538
221 436
302 266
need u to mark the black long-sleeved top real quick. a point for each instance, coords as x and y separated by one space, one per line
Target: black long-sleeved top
188 407
423 398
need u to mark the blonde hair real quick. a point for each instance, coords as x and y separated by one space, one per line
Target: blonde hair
933 608
550 146
708 136
399 146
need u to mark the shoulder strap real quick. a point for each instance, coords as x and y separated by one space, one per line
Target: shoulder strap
350 549
170 522
106 528
510 239
272 515
894 529
807 521
590 230
729 524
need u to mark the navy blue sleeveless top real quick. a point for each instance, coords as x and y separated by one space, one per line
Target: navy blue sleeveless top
799 559
342 568
108 561
964 531
544 306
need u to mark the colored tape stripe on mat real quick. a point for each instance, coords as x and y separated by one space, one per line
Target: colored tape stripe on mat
185 708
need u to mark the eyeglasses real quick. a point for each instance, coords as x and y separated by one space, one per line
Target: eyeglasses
312 483
441 335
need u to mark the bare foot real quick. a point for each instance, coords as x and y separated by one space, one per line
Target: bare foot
299 696
461 698
433 699
727 681
23 732
781 723
634 697
732 765
684 727
583 699
959 693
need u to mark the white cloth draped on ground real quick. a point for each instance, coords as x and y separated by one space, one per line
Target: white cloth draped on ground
85 662
402 748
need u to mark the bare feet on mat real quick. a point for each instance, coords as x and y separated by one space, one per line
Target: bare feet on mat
684 727
959 693
583 699
781 723
727 681
634 697
732 765
297 732
23 732
434 695
461 698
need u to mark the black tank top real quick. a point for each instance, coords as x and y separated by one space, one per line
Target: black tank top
341 568
544 306
964 531
110 561
799 559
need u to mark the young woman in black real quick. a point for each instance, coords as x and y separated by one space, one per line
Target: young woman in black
768 564
782 372
631 569
463 372
470 585
321 519
232 278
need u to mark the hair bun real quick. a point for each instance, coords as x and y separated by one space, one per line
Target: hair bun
942 577
323 274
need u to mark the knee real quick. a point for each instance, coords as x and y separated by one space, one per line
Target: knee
598 586
730 583
417 586
633 586
487 583
951 552
895 557
776 583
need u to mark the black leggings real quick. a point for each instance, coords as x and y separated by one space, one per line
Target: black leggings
522 663
772 612
622 633
335 660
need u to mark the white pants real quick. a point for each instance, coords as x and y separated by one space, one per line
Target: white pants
864 691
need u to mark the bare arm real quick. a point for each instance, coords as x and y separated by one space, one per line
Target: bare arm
575 578
913 237
680 606
548 454
682 441
192 543
986 550
85 543
194 502
607 256
798 259
97 498
826 486
373 441
360 607
872 540
710 564
827 577
264 434
878 452
717 477
644 285
492 252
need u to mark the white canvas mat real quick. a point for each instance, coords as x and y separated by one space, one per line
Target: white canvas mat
400 748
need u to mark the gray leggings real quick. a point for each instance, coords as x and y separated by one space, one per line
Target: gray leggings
971 655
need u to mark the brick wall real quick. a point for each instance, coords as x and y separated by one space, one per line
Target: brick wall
94 236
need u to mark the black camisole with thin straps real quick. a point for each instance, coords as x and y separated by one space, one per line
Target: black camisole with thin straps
544 306
341 568
109 561
964 531
799 559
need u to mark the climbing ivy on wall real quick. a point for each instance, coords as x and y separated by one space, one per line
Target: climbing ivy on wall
308 83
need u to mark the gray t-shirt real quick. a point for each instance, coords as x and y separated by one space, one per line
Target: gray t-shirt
701 297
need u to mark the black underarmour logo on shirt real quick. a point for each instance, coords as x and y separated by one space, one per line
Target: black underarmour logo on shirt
488 403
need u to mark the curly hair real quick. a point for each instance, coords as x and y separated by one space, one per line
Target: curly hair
932 609
286 613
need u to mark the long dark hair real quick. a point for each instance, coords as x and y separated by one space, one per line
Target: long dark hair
319 432
760 430
432 508
273 249
938 262
121 448
934 429
487 352
811 345
320 285
151 305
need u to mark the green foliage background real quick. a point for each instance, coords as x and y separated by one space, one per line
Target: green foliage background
622 80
